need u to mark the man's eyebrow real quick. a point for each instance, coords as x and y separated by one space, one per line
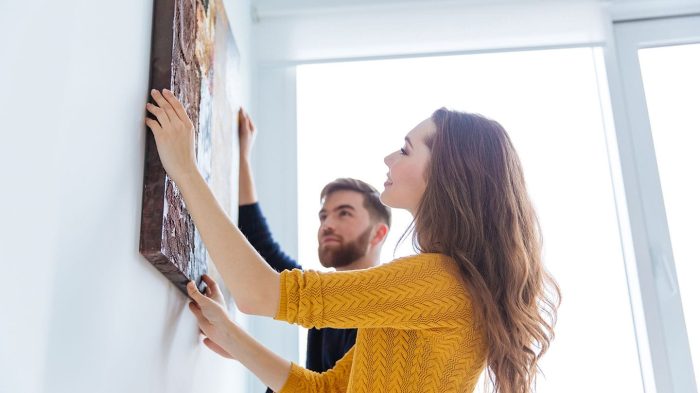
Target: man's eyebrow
344 207
409 141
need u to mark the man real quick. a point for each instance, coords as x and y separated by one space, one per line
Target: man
353 226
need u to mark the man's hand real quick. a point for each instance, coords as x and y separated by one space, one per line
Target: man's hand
246 134
246 137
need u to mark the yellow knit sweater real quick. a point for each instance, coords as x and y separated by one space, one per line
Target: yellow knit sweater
416 332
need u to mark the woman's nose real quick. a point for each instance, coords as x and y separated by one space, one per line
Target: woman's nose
387 159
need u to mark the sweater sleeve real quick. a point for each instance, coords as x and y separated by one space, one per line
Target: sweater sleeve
420 292
333 380
254 227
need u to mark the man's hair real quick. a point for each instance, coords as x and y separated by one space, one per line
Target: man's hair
377 210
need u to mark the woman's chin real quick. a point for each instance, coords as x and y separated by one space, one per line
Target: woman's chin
385 197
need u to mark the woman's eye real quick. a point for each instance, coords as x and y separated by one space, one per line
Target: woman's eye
403 152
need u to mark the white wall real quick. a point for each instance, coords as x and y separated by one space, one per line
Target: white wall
82 311
274 164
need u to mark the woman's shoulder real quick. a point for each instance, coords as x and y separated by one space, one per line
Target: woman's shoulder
426 263
424 258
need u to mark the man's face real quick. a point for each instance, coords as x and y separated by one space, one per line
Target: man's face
345 229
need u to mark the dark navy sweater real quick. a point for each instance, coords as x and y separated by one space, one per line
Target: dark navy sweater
324 346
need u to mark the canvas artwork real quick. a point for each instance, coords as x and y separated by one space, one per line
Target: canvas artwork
193 54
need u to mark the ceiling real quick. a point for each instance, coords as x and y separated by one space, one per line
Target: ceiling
282 7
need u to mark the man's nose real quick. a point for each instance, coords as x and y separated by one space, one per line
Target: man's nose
327 228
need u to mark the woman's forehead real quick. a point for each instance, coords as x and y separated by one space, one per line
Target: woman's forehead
421 131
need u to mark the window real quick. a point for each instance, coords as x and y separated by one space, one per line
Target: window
672 90
655 96
350 115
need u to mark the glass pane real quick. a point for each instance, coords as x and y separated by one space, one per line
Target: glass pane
671 77
350 115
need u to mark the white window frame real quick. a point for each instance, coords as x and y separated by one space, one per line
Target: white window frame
661 334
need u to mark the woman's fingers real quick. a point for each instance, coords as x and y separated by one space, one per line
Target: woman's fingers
207 305
216 348
164 105
153 125
213 288
177 106
209 281
160 114
195 294
199 314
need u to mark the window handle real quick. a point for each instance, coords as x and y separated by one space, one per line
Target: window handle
663 274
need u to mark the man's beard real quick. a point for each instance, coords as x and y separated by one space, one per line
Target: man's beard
346 252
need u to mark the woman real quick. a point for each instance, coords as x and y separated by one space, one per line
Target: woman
475 296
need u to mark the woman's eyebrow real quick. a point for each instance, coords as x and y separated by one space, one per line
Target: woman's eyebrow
407 139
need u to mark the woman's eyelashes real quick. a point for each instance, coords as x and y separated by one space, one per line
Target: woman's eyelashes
403 151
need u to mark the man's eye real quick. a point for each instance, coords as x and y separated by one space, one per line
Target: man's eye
345 213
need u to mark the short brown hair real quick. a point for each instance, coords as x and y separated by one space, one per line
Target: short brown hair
377 210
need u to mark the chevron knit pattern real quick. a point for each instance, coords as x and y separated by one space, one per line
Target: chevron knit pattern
416 332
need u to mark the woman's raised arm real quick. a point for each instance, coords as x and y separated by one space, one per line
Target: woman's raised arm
254 285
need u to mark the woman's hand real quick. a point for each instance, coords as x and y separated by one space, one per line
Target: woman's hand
228 340
214 323
246 134
174 134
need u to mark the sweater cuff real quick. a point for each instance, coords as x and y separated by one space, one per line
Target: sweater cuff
249 213
294 380
282 307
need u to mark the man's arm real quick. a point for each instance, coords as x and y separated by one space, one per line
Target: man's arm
246 138
253 225
251 221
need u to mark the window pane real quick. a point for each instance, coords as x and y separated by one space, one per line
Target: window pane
671 77
350 115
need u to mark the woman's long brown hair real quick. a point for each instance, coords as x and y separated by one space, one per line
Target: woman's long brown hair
476 210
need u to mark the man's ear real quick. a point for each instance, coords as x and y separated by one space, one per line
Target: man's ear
380 232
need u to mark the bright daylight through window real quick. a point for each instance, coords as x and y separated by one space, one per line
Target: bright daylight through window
350 115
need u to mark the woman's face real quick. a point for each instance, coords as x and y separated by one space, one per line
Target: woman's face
406 180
